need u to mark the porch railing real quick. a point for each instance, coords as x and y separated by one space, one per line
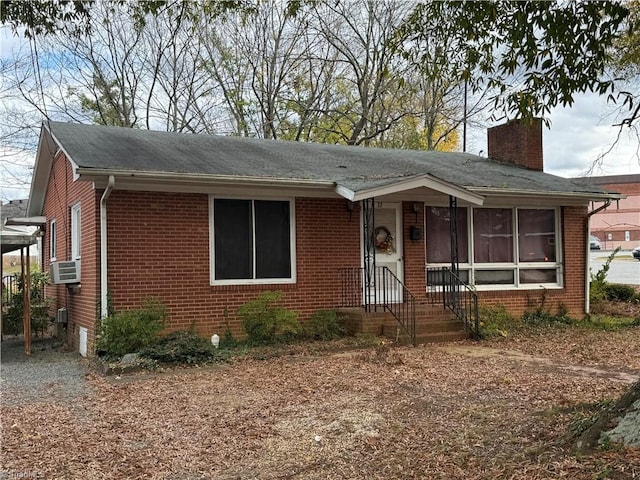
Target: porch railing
9 289
445 287
385 291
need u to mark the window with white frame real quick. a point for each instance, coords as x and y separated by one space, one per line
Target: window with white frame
252 241
75 232
497 247
52 240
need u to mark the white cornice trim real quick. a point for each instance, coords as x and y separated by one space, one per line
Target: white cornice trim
426 181
548 193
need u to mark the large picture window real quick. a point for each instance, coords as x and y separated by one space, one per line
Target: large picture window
439 245
252 241
497 247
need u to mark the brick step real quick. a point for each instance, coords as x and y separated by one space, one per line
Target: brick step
434 338
433 324
422 327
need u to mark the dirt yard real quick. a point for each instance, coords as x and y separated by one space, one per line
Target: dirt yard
458 411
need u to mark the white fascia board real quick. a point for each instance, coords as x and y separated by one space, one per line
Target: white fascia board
74 165
426 181
41 172
219 184
48 147
579 196
26 221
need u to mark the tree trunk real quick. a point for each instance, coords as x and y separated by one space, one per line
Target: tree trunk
588 440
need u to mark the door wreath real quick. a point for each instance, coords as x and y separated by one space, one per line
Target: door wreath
383 240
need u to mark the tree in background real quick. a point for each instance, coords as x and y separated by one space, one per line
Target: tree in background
378 73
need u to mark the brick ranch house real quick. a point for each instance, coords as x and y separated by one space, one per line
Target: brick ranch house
205 223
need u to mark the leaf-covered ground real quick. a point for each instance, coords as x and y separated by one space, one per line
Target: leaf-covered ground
387 413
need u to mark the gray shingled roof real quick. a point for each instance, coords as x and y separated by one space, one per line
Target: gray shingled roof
357 168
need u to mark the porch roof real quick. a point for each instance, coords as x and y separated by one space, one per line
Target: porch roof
13 239
350 171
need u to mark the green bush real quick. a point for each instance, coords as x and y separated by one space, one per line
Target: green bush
265 321
131 330
610 322
495 321
618 292
543 316
598 285
12 320
326 325
184 347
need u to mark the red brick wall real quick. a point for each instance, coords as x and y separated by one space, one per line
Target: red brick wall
414 251
572 295
62 193
159 247
517 142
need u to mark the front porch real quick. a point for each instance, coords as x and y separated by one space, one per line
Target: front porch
378 303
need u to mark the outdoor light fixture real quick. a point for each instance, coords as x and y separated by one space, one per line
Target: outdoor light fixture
350 207
416 208
215 340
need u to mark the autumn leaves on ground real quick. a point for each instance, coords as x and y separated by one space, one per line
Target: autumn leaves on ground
379 412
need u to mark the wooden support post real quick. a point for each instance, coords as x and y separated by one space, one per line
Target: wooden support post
26 296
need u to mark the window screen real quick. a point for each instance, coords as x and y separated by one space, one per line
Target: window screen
252 239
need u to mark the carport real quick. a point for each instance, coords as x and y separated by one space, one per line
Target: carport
13 237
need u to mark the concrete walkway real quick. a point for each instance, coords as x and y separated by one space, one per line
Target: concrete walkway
544 363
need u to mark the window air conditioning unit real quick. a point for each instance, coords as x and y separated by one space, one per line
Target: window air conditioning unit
65 272
61 315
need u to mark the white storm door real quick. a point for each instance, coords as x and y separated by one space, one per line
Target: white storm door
388 251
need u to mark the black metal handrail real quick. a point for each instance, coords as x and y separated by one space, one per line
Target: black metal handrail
9 289
445 287
386 291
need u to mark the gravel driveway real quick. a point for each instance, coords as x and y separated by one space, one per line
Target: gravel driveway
48 375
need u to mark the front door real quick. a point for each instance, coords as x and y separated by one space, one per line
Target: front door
387 234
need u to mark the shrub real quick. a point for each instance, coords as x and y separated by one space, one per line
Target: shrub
598 285
543 316
495 321
131 330
12 320
185 347
618 292
265 321
326 325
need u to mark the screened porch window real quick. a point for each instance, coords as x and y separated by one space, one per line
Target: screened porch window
251 241
497 247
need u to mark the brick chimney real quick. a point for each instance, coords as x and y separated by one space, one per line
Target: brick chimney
518 142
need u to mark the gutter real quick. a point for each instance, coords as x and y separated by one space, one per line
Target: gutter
587 305
104 298
173 177
550 193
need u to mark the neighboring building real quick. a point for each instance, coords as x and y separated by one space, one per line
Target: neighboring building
619 224
205 223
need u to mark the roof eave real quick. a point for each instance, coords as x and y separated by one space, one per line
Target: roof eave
96 175
41 172
587 196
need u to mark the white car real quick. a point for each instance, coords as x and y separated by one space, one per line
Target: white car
594 243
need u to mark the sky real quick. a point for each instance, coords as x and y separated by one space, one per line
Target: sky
576 138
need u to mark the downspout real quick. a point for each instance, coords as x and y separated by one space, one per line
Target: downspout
587 279
104 298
